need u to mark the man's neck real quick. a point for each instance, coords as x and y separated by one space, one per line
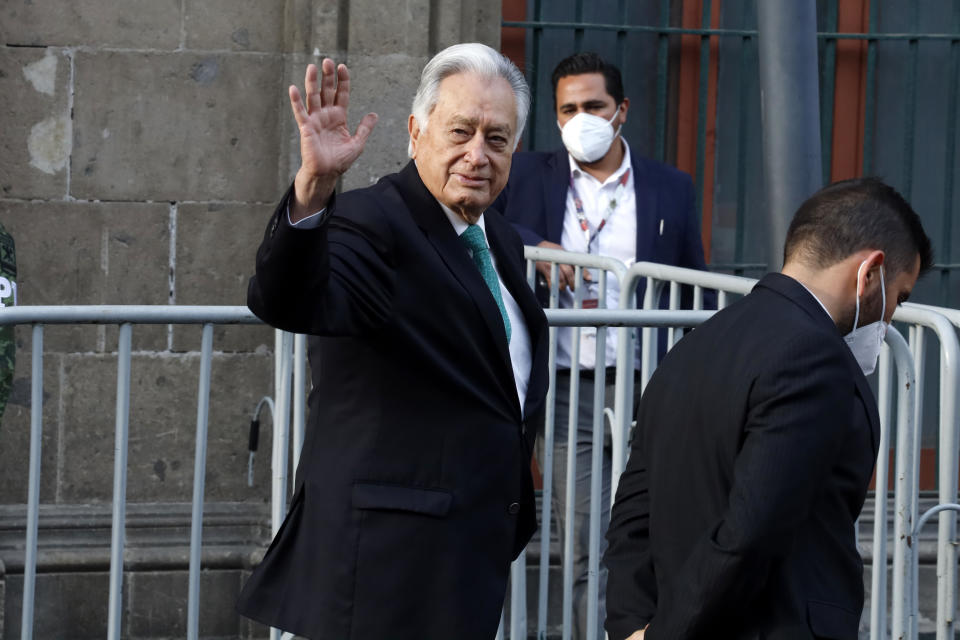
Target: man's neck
608 164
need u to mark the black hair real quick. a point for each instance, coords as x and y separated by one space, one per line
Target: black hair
851 215
589 62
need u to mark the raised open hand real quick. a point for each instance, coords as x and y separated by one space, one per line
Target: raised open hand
326 147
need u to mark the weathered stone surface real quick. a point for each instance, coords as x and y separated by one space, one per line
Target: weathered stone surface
15 428
35 138
142 24
67 605
91 253
238 25
176 127
158 604
163 417
216 252
378 28
385 85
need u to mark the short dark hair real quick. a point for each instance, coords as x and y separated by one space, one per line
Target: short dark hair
589 62
851 215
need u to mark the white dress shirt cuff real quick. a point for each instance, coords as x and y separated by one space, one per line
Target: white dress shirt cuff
310 222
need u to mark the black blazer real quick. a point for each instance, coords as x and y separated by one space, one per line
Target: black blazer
535 201
757 437
414 483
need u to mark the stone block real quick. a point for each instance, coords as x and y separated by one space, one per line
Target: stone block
385 85
75 253
455 21
15 427
237 25
158 604
144 24
378 28
67 605
174 127
163 416
216 253
35 138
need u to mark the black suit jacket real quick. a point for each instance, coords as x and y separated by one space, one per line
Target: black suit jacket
535 201
414 483
757 437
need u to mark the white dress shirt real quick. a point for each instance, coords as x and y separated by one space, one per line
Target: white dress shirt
617 239
521 356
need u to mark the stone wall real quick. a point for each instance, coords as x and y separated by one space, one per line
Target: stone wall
142 148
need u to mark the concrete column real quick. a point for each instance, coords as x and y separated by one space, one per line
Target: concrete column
789 94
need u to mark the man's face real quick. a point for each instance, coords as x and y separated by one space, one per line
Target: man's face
898 290
463 156
587 93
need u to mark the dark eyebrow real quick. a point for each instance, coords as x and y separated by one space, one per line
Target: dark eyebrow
472 122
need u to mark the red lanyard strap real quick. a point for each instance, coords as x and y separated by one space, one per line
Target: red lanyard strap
612 206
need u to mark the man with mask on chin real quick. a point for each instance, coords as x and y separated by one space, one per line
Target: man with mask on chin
596 195
757 437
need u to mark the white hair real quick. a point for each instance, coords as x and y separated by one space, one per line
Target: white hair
471 57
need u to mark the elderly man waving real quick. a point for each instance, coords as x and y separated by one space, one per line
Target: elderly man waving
428 355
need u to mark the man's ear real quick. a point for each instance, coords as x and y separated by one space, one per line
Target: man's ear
874 260
413 127
624 106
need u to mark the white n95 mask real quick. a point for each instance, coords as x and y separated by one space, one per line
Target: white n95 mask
587 137
865 342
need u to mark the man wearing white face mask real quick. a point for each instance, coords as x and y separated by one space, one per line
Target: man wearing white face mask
596 195
757 437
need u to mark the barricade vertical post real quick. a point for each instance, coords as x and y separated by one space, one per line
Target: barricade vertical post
199 473
546 521
878 577
115 614
518 597
946 542
596 480
570 497
33 491
281 438
905 485
299 394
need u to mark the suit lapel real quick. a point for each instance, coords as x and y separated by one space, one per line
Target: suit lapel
428 215
556 182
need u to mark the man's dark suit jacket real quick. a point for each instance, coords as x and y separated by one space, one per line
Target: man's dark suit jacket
757 437
535 201
414 490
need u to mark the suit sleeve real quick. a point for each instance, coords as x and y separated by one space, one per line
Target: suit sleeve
691 255
334 279
631 582
521 214
798 411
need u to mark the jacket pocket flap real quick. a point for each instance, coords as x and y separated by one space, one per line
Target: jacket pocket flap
832 621
433 502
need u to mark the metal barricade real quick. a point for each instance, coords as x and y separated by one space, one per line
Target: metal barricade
909 380
125 317
290 382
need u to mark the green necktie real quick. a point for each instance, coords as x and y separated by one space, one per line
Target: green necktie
477 243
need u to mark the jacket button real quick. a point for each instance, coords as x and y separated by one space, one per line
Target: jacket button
514 508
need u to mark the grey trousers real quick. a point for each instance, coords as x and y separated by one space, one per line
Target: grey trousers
583 473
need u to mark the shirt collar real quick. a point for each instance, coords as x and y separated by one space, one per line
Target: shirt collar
625 164
817 299
459 224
